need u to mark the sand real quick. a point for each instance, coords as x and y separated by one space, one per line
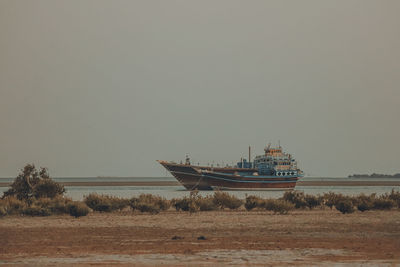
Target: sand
303 238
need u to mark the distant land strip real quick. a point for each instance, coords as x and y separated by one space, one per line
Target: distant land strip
348 183
175 183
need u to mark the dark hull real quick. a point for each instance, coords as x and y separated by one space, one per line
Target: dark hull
207 178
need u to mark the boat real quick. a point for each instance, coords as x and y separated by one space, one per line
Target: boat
274 170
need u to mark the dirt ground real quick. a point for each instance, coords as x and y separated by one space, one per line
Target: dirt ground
304 238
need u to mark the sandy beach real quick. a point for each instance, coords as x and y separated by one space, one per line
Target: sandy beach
319 237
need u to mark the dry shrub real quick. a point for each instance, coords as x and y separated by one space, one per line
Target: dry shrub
278 206
32 183
118 203
36 210
105 203
224 200
253 202
345 205
38 207
3 208
47 188
383 203
98 202
184 204
3 211
395 196
149 203
206 203
11 205
77 209
57 205
190 203
331 199
48 206
297 198
180 203
364 202
313 201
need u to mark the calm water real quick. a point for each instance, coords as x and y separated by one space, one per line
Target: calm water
78 192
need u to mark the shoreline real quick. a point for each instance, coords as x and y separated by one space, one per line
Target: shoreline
176 183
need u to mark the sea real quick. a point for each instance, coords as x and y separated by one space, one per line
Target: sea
169 192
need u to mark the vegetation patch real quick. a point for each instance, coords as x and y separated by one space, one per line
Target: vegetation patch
181 204
11 205
364 202
105 203
383 203
32 183
77 209
206 203
313 201
34 193
36 210
149 203
331 199
345 206
225 200
190 203
297 198
253 202
278 206
395 196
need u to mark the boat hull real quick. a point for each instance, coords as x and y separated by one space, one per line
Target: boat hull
208 178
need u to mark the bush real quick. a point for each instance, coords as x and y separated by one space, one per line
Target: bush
148 207
253 202
278 206
363 202
182 204
12 205
331 199
206 203
98 202
57 205
35 210
47 188
312 201
297 198
345 206
383 204
224 200
395 196
77 209
104 203
118 203
190 204
3 211
31 183
149 203
364 206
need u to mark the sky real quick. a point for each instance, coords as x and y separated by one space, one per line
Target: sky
99 88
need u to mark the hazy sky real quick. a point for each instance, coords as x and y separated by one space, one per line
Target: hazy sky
93 88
